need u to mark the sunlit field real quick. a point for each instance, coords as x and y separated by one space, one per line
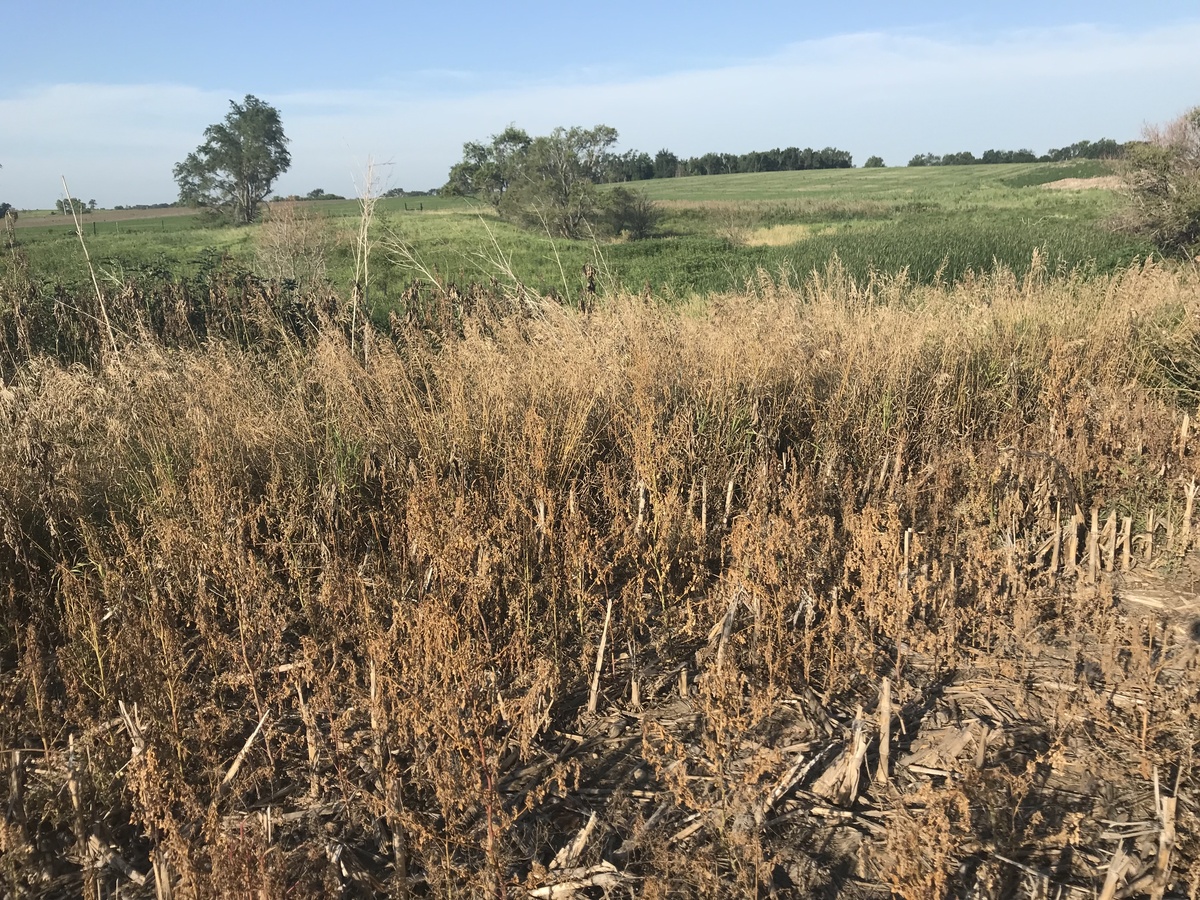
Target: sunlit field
716 233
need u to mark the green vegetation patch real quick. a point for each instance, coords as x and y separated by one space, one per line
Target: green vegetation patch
715 232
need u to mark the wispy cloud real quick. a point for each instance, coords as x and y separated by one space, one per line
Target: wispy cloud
894 93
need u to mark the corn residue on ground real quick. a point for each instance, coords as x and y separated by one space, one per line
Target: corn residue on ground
825 588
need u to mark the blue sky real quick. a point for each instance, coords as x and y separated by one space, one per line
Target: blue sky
112 94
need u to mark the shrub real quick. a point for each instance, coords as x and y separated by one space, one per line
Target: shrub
874 162
631 212
292 245
1162 178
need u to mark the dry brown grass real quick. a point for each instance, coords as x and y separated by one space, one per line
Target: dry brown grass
777 235
1103 182
401 568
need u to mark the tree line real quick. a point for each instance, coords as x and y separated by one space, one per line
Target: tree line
62 207
636 165
1105 148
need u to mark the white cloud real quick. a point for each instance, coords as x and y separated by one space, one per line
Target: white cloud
894 94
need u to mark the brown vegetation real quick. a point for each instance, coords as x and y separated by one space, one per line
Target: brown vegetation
293 244
1101 182
279 618
1162 181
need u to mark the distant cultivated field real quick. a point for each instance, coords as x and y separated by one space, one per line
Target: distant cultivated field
41 218
717 232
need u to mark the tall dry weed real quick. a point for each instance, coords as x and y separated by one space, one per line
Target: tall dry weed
293 245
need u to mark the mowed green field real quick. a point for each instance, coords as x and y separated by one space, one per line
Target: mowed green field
717 233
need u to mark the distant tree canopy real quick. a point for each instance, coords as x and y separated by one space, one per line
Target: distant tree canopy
320 194
873 162
393 193
63 207
8 211
1105 148
666 164
233 170
632 165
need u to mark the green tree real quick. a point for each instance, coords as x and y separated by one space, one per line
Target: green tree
1162 179
487 170
545 182
7 210
233 170
873 162
925 159
666 164
63 207
555 184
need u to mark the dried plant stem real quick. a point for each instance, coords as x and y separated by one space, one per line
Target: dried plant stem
83 847
1056 539
1072 566
310 736
1117 867
1185 537
368 194
557 259
885 730
91 269
1126 541
227 781
1093 547
594 694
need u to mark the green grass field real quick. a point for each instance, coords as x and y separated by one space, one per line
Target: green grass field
717 233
